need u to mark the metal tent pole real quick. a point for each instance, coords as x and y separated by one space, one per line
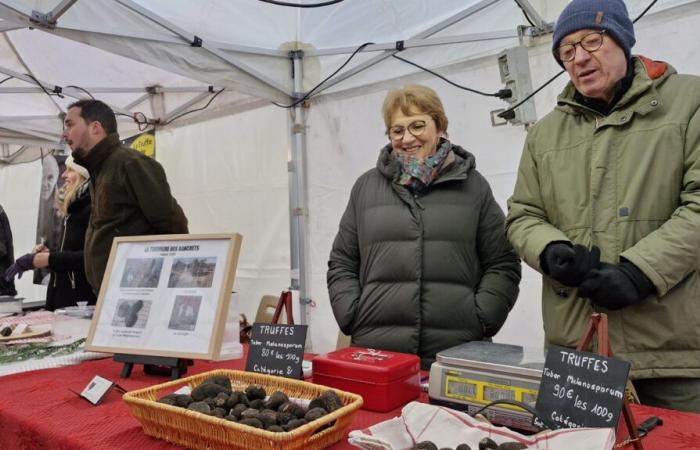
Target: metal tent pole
298 210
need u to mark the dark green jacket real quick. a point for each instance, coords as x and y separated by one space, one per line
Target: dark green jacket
130 197
628 182
419 273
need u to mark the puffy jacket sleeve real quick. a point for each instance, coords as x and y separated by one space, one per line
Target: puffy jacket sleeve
343 276
149 186
527 224
668 254
498 287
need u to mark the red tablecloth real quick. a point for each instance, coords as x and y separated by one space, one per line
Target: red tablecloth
40 411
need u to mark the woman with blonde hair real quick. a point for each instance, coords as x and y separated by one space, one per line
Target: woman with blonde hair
68 284
421 262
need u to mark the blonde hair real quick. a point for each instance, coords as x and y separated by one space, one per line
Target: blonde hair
412 99
68 194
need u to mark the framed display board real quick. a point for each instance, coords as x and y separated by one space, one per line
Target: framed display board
165 295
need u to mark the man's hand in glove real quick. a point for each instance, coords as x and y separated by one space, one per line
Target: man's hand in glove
616 286
24 262
569 265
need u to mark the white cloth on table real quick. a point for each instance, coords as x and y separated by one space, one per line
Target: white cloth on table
448 428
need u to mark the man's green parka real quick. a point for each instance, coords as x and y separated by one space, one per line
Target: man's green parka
629 183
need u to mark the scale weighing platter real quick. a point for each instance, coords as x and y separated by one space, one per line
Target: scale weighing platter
472 375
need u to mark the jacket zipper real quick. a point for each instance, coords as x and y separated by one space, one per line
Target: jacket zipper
71 275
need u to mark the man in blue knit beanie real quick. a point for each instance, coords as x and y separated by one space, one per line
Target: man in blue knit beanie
607 203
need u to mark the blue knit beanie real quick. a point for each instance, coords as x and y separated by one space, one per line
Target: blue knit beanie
608 15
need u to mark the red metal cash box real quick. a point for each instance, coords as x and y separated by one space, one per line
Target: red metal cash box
385 380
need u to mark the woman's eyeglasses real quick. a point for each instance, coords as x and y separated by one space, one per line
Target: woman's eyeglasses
590 42
414 128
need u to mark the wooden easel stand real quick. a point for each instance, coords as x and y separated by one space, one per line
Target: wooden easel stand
599 324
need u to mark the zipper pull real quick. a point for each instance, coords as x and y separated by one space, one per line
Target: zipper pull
71 276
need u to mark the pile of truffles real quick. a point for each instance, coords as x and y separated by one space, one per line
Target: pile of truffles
276 413
484 444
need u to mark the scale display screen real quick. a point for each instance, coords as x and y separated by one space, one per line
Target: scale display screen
494 393
460 388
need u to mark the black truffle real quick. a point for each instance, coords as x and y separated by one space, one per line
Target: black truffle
293 409
237 410
221 380
257 404
251 422
425 445
283 418
294 423
315 413
511 446
268 417
206 390
276 399
200 407
250 413
487 444
255 391
218 412
221 399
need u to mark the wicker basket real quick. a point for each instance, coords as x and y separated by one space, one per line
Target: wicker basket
198 431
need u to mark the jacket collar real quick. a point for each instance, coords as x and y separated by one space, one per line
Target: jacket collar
100 152
647 75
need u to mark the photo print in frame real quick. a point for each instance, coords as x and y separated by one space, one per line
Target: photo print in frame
166 295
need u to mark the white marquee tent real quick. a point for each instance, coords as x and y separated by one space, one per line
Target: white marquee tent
280 176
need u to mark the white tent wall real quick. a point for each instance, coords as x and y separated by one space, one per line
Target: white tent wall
230 175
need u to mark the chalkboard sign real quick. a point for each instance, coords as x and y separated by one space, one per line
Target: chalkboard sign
276 349
580 389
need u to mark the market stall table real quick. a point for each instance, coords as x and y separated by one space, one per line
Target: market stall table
41 410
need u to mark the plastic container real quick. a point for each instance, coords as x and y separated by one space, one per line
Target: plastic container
69 327
385 380
10 305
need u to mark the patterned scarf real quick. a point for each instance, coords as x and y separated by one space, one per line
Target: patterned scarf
416 173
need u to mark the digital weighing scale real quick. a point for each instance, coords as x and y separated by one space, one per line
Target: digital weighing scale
472 375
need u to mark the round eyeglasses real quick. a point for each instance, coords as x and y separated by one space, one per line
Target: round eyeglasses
414 128
590 42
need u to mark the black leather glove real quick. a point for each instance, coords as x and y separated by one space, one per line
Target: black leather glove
616 286
569 265
24 262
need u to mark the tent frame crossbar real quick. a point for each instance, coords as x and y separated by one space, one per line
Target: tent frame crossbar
27 131
467 12
196 99
415 43
195 41
50 87
535 16
109 90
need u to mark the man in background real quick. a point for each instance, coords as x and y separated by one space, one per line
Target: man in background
607 203
129 191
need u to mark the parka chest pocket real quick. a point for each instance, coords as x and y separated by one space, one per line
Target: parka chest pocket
565 181
649 167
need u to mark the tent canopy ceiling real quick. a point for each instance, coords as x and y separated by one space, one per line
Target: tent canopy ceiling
137 55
